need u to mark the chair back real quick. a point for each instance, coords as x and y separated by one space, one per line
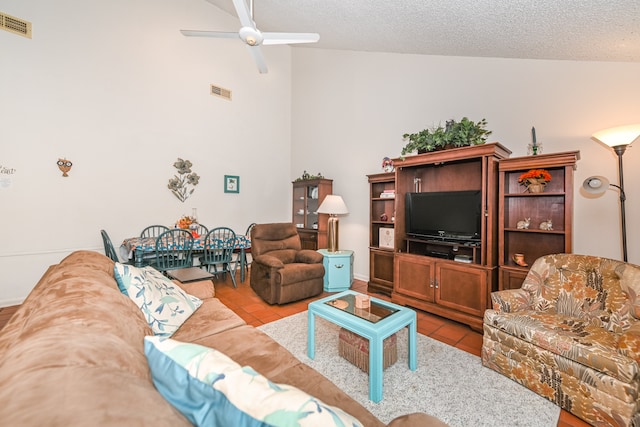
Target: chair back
108 246
218 246
173 249
274 237
201 230
154 230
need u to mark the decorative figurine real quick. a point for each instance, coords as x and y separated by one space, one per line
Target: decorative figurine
65 166
519 259
546 225
384 217
387 164
524 224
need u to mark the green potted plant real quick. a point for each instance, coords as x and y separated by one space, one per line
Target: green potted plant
454 134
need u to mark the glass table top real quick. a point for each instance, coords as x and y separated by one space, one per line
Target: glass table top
374 313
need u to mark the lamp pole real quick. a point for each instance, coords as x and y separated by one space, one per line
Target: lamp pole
620 149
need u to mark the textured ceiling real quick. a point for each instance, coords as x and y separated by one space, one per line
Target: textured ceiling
590 30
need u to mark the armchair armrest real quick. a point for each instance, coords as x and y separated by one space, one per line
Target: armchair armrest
511 300
629 343
268 261
308 256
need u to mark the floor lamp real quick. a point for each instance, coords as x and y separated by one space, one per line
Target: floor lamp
618 138
334 206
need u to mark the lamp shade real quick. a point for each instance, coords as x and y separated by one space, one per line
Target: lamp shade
595 184
621 135
333 205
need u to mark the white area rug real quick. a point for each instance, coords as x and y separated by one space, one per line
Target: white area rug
450 384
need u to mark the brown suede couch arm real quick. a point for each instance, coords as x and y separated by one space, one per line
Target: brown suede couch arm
417 419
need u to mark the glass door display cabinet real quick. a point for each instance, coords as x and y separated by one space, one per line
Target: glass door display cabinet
534 221
308 194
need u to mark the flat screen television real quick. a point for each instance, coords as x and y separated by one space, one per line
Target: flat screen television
453 215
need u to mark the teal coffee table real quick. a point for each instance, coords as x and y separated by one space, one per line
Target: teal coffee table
381 320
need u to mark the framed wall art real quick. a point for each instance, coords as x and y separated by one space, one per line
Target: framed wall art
231 184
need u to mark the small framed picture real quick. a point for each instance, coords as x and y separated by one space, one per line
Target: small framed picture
386 237
231 184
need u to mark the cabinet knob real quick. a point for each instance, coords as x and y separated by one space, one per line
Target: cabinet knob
431 283
339 265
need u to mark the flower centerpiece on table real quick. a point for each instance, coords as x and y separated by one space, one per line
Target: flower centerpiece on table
185 222
535 180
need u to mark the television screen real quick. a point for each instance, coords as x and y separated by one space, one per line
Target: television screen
444 214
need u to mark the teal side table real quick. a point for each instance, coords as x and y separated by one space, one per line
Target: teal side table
338 270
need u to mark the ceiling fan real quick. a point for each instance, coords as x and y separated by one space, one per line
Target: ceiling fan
252 36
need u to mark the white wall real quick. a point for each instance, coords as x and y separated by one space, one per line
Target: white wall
115 88
350 109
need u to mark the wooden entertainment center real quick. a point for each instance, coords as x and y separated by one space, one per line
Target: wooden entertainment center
454 278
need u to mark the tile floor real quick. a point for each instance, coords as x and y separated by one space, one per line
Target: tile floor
255 311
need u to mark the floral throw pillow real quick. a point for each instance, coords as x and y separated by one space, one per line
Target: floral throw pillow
210 389
164 305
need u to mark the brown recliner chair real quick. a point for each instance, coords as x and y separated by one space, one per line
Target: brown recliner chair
281 271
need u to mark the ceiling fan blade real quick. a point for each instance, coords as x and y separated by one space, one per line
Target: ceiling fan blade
218 34
289 38
246 20
256 53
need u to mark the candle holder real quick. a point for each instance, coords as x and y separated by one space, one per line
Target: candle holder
534 149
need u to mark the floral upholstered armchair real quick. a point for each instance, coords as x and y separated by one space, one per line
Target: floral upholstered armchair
571 333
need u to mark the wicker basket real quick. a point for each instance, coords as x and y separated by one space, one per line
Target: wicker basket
355 349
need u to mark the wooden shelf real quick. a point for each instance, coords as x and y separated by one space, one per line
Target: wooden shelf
555 203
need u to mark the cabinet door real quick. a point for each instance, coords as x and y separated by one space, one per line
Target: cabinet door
512 278
380 270
414 276
461 287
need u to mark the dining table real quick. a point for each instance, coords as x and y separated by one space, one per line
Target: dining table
135 248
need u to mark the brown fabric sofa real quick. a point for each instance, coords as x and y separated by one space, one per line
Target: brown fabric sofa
72 355
281 271
572 335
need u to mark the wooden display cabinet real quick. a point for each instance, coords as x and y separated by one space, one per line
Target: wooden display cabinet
307 197
516 204
381 232
426 273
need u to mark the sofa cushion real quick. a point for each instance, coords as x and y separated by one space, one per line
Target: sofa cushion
211 389
581 340
165 306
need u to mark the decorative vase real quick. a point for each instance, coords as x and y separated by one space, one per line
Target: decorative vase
535 186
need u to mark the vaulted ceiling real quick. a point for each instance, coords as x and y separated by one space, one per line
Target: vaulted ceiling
589 30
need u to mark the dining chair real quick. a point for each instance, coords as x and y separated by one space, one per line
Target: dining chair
173 250
109 250
202 230
154 230
247 250
218 248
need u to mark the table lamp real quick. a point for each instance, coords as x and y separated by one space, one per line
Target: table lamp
618 139
334 206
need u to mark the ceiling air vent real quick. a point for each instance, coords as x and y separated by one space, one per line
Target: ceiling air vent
15 25
221 92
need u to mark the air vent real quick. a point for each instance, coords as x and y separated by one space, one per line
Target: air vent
15 25
221 92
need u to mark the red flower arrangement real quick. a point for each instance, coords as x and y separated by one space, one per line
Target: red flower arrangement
535 176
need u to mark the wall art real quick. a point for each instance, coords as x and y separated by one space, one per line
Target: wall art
182 184
65 166
231 184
